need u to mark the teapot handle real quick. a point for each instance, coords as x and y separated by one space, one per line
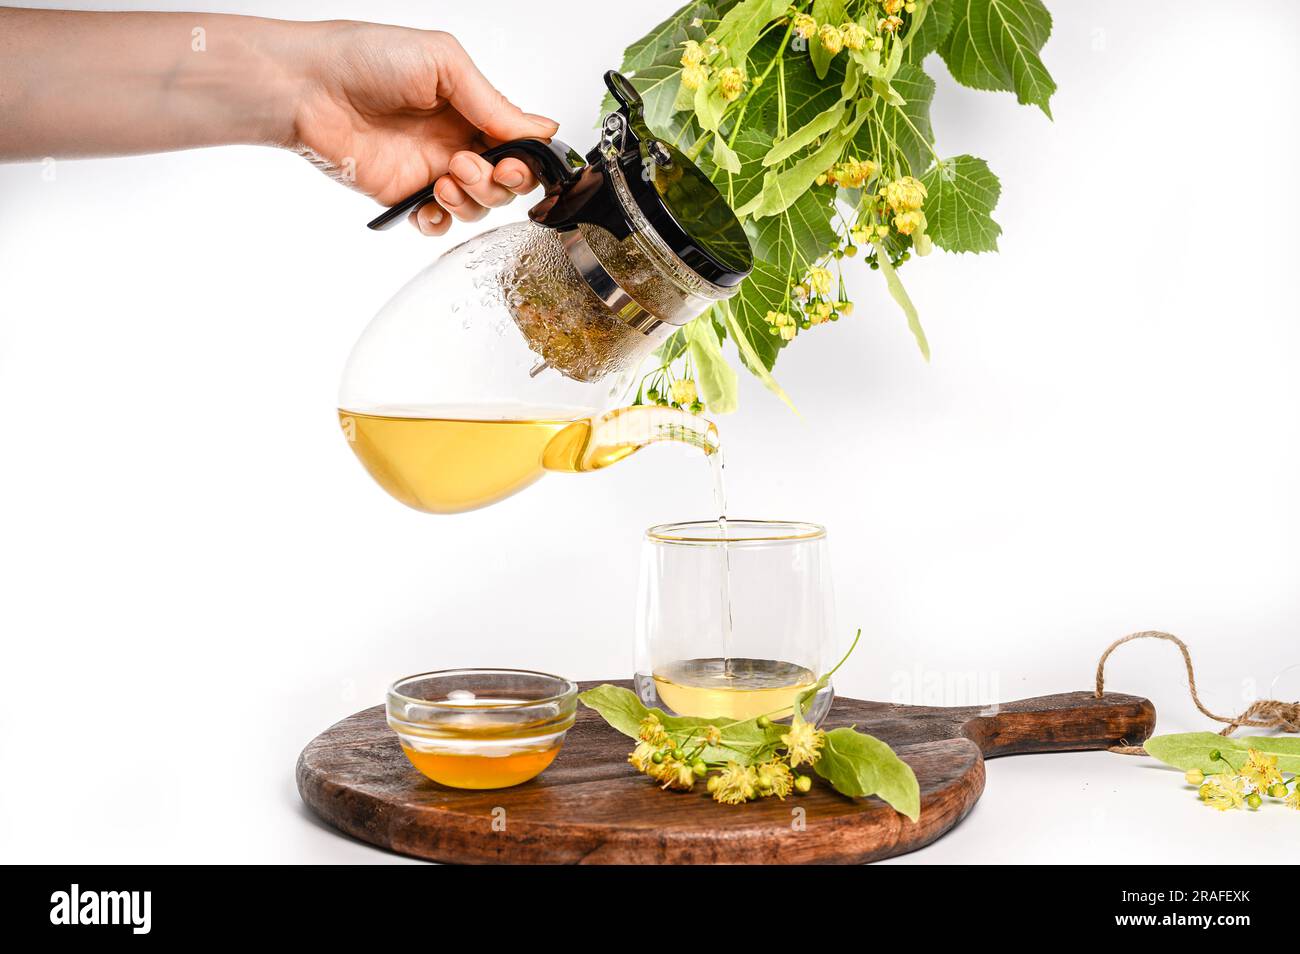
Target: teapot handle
554 163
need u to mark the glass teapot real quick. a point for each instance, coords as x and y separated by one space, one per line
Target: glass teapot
504 358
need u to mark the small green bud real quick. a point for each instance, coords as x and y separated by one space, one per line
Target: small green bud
1215 755
850 250
764 722
657 758
678 754
1195 777
699 768
1253 800
803 783
1278 790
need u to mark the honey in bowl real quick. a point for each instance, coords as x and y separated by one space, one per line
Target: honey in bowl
504 731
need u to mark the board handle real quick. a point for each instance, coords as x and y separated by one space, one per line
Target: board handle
1071 721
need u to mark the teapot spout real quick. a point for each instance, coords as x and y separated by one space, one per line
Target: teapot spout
597 442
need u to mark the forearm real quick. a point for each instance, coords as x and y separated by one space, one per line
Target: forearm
94 84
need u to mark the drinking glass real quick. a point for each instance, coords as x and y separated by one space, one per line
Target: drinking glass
735 618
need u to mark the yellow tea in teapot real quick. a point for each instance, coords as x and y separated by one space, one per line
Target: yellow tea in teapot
442 463
451 459
731 688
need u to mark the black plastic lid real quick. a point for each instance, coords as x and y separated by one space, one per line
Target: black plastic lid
679 201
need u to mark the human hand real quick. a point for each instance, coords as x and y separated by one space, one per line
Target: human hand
387 110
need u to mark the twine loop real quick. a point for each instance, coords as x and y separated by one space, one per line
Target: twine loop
1260 714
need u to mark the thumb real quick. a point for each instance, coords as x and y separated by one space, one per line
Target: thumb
483 104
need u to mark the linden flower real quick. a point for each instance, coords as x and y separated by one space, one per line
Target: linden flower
890 24
731 83
909 222
713 735
640 757
832 39
676 775
735 785
906 194
782 324
692 53
1223 792
775 778
893 6
820 312
852 173
693 77
804 742
804 25
684 391
819 280
650 730
854 35
1293 800
1261 770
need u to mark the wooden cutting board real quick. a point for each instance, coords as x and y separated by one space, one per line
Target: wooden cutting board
591 807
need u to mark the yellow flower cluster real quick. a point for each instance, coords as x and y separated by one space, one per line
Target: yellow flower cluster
851 173
1259 776
677 764
783 324
695 68
906 194
684 393
848 35
731 83
831 38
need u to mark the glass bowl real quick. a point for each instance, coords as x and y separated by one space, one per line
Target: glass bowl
481 728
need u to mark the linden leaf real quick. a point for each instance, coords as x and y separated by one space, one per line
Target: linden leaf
823 123
716 378
906 126
994 44
802 233
724 157
766 289
667 36
750 146
930 27
740 27
859 765
749 355
618 706
658 88
900 296
1191 750
961 196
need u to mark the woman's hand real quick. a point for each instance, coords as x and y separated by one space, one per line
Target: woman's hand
384 109
389 110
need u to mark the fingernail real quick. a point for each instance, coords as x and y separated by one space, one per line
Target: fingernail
466 170
435 218
510 179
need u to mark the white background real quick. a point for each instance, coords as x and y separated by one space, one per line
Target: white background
196 577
